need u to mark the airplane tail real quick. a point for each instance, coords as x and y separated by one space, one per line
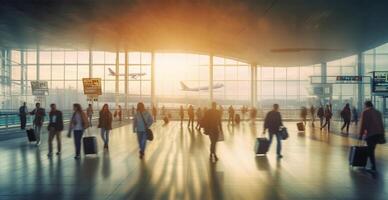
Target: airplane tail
111 72
184 86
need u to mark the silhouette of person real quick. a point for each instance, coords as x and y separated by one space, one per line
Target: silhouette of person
273 122
213 128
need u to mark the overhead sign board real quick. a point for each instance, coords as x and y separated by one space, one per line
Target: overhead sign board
349 78
92 86
39 88
380 82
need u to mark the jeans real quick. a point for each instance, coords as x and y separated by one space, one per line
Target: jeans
278 141
105 135
77 141
53 134
37 130
23 121
142 140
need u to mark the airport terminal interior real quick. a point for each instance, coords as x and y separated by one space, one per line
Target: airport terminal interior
245 56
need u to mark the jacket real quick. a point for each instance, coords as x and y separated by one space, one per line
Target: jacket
138 124
371 122
105 120
212 122
273 121
39 116
55 121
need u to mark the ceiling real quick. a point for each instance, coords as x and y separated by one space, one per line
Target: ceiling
265 32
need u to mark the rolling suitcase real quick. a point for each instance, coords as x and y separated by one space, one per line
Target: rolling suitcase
31 135
358 156
300 126
90 145
261 146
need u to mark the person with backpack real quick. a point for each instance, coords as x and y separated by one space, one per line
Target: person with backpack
78 123
273 122
54 128
142 121
39 114
105 124
346 117
321 115
372 129
213 128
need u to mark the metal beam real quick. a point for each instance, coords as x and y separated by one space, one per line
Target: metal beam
153 97
126 88
360 87
117 79
211 78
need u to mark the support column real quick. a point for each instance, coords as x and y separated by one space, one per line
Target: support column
324 77
22 73
211 78
37 63
90 63
253 85
360 86
126 89
153 97
117 79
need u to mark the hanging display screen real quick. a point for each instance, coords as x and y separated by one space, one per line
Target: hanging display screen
380 81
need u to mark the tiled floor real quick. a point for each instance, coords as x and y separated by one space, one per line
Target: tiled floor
176 166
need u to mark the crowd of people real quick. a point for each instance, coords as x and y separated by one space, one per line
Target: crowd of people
371 126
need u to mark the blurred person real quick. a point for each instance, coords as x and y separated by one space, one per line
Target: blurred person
321 115
372 129
181 114
154 112
190 113
346 117
120 113
244 110
231 115
105 124
23 111
273 122
221 109
253 114
39 114
303 115
78 123
328 116
312 112
213 128
199 116
141 122
89 113
355 115
55 128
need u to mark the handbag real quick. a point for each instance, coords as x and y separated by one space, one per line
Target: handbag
283 133
150 134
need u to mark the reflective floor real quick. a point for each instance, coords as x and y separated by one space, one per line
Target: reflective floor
176 166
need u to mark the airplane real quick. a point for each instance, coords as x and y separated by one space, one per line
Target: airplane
132 75
184 87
